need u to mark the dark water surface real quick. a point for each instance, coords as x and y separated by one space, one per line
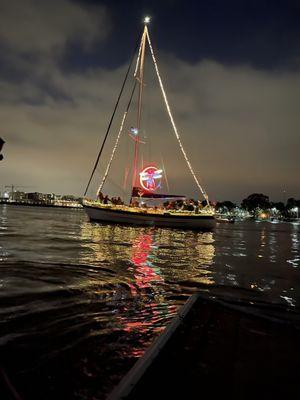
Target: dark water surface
80 301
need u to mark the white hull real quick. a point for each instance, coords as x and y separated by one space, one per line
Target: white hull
193 221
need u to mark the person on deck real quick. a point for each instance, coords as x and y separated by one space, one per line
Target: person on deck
190 206
106 200
100 196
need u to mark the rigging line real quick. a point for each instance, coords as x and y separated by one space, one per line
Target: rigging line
112 117
117 140
141 79
164 169
139 113
138 60
172 120
125 178
116 185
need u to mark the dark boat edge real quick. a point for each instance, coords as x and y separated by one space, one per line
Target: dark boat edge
123 389
265 340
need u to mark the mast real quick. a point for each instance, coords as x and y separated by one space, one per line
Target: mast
140 79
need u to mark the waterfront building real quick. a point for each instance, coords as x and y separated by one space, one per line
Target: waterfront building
18 196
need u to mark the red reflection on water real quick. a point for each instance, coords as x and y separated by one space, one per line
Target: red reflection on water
153 311
141 248
145 274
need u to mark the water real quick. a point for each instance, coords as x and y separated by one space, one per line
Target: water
80 302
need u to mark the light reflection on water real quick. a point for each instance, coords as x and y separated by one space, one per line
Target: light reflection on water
105 291
265 267
149 263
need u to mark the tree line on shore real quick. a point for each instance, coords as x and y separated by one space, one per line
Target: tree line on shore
259 202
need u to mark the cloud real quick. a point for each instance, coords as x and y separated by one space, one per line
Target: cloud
41 26
240 125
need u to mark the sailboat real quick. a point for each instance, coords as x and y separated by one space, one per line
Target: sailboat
145 205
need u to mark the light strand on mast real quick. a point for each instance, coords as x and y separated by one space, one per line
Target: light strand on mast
121 127
172 120
138 60
140 79
112 154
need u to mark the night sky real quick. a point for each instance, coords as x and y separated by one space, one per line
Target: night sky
231 70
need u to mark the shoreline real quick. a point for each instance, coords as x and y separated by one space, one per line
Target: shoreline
80 207
16 203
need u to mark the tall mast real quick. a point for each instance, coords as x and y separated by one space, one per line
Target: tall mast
140 79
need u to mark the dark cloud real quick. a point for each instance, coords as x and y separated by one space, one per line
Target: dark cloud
32 26
239 123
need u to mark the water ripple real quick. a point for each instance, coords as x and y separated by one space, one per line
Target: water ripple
95 296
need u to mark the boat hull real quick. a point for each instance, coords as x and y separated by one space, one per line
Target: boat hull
196 221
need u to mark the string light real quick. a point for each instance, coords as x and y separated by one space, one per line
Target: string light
121 126
146 33
138 59
172 120
112 154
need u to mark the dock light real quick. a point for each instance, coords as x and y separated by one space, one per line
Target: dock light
147 19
